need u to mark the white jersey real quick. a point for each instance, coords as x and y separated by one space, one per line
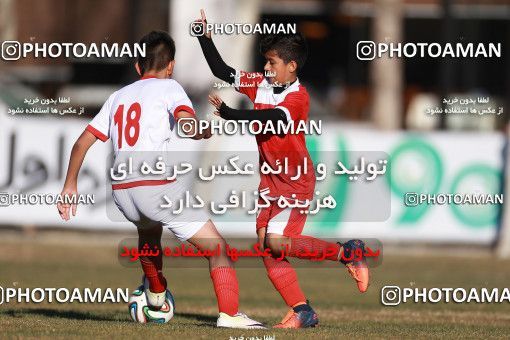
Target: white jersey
140 118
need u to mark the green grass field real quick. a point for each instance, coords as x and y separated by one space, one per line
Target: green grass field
60 261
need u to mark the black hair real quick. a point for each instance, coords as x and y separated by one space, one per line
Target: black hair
159 51
288 47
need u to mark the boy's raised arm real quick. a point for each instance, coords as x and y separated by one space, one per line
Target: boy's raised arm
218 67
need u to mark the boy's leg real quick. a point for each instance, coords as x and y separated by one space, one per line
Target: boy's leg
130 202
224 279
282 275
221 268
194 226
152 265
284 279
155 283
284 234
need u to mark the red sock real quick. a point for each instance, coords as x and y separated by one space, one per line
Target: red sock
226 288
302 246
152 268
284 279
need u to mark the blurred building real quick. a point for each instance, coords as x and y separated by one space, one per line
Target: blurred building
341 85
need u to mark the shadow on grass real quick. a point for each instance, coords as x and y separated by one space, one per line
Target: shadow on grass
57 313
207 320
200 319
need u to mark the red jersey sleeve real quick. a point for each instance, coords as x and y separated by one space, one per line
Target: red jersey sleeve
100 124
179 100
295 105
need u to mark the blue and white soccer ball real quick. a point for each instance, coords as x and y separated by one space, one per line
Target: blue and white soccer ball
140 311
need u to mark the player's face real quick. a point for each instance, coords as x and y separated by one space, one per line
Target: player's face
276 67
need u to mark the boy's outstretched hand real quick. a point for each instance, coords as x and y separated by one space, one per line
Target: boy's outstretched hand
216 101
64 209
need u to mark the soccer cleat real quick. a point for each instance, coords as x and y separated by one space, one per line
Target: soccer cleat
239 320
154 300
356 263
301 319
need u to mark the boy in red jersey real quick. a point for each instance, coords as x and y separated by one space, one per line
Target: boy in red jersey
281 98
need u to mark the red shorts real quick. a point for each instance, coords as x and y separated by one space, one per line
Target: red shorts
281 221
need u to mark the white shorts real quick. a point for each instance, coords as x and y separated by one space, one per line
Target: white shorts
142 206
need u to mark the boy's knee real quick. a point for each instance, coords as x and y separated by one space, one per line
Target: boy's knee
152 232
277 244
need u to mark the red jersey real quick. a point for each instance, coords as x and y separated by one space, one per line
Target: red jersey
285 149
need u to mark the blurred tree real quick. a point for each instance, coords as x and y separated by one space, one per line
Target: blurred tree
387 73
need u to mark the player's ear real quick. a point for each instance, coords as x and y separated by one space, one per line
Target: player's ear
170 68
137 67
292 66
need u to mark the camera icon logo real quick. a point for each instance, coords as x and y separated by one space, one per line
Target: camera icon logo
4 199
365 50
391 295
11 50
186 128
411 199
196 29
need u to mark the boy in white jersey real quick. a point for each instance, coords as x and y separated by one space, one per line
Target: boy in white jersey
139 118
